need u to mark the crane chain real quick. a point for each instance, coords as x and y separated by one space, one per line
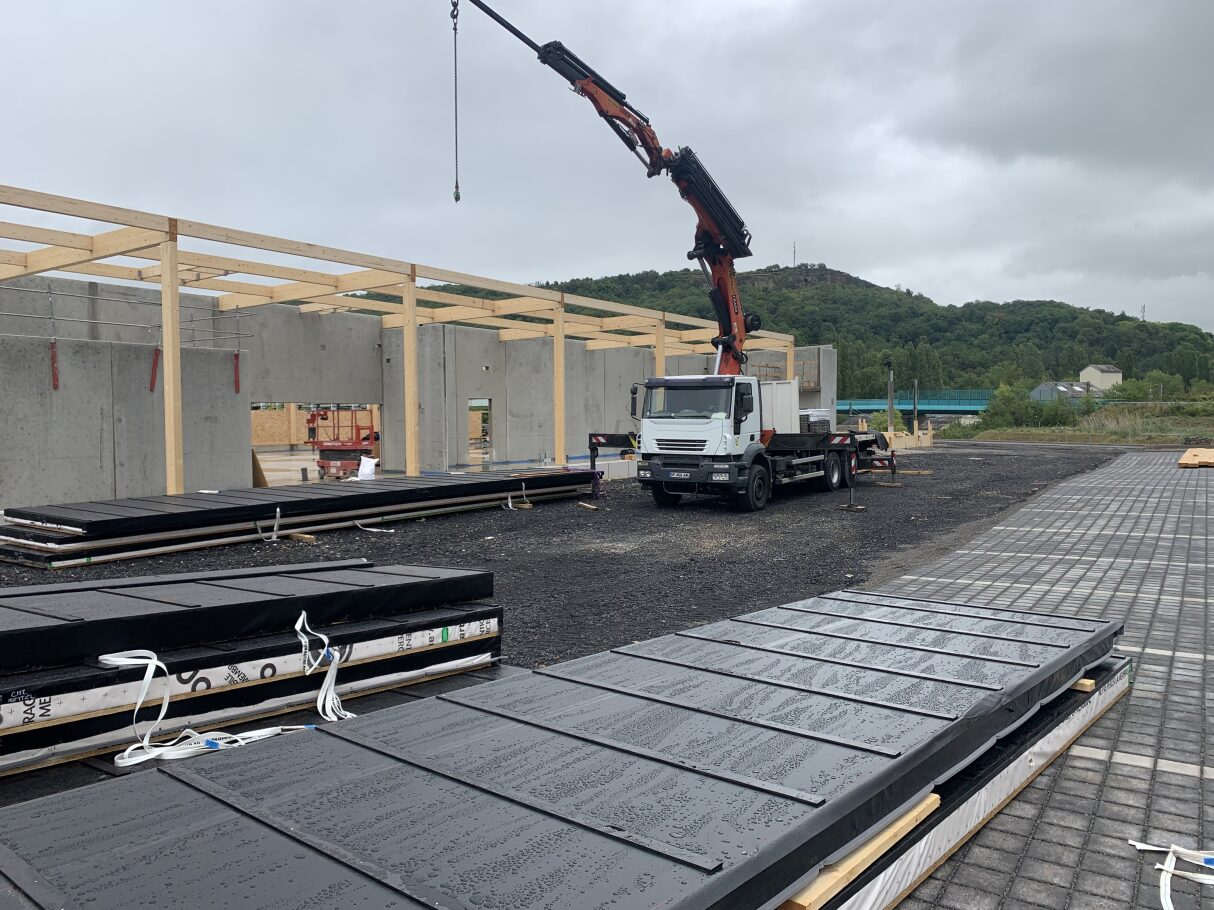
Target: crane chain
455 85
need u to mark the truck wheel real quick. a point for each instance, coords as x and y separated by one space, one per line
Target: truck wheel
663 498
758 489
832 479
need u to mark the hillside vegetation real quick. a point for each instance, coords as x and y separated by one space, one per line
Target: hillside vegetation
978 345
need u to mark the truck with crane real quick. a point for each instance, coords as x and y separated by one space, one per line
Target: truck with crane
723 433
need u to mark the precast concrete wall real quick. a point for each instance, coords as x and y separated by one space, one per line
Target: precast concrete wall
92 311
309 357
460 364
100 434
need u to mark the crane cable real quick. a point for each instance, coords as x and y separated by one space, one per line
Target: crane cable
455 85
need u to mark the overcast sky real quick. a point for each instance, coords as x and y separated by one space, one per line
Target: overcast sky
966 150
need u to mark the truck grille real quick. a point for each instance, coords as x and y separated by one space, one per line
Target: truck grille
681 445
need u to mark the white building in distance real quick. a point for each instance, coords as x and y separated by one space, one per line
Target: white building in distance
1101 376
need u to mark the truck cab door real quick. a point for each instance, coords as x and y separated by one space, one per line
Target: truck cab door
747 413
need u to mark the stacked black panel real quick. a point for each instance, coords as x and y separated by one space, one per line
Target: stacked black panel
58 536
229 644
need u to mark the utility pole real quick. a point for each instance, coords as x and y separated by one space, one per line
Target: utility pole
794 254
889 413
915 428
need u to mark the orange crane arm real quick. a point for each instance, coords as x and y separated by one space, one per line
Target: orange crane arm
721 235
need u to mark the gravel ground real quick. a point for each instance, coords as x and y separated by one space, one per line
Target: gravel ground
574 581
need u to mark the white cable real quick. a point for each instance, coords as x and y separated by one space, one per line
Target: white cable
187 743
328 702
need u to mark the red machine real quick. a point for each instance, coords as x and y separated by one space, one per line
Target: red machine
721 236
340 440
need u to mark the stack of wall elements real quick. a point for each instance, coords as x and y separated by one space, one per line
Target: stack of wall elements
713 768
228 641
59 536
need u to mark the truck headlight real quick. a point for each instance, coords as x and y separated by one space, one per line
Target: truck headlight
722 476
644 472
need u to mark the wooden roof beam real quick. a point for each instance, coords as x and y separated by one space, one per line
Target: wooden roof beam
102 246
45 236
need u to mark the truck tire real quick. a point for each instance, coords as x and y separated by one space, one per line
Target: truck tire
833 473
758 490
664 499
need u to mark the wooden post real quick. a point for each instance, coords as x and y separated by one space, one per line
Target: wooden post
790 361
413 442
659 349
558 383
170 343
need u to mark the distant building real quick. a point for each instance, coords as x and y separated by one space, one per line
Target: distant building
1052 389
1102 376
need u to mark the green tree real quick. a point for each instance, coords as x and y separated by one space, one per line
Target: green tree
879 420
1059 412
1010 407
1163 386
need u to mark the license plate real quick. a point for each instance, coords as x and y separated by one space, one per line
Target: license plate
680 475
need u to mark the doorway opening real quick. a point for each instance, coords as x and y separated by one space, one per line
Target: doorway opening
480 431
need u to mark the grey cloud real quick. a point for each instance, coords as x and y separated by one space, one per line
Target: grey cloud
967 150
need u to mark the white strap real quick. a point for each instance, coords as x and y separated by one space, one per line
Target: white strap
328 702
188 742
1167 868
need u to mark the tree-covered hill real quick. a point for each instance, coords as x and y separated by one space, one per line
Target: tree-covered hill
978 345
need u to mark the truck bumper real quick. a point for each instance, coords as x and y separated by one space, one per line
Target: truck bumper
700 477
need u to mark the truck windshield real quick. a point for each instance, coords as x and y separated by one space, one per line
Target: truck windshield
673 402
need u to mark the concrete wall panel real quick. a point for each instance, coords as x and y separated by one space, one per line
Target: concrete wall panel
58 445
216 430
477 366
433 420
529 408
110 312
100 435
310 357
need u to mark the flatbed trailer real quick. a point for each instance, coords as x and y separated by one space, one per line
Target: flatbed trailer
831 460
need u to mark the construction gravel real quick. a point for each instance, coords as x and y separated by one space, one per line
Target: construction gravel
575 580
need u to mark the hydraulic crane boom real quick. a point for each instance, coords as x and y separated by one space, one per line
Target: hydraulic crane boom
721 236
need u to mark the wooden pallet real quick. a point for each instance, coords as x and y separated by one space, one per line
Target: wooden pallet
1197 458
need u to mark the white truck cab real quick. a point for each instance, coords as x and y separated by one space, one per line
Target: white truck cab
700 415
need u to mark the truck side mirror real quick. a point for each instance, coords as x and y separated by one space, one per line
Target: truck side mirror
747 404
633 409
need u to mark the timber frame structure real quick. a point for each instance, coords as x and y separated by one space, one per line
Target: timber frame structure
145 248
